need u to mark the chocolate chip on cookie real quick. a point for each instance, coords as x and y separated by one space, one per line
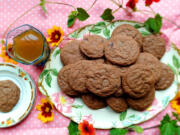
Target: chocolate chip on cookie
138 81
152 62
129 30
166 78
155 45
118 104
142 103
93 101
9 95
93 46
63 81
70 53
103 80
122 50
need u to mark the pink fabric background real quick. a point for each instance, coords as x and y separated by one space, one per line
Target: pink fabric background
57 15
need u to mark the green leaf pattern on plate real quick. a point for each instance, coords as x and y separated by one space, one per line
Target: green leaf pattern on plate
48 79
57 52
123 115
165 101
176 62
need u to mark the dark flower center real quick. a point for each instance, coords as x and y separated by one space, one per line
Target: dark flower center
56 35
178 101
86 128
46 109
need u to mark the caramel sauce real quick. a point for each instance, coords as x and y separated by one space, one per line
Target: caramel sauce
28 46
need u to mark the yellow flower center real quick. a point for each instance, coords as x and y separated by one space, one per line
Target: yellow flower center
62 100
56 36
47 109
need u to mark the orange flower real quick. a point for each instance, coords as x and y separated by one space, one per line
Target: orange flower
149 2
175 103
46 108
5 56
86 129
55 35
132 4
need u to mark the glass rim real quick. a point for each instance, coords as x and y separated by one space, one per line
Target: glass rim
19 61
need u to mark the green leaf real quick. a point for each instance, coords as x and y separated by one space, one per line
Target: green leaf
150 25
95 30
71 20
178 131
137 129
100 24
54 72
118 131
172 68
107 15
82 14
154 24
44 73
137 26
145 33
57 52
73 128
42 4
48 79
106 33
176 62
176 116
77 106
123 115
158 19
168 126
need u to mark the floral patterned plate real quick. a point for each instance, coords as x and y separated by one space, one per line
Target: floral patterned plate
27 94
104 118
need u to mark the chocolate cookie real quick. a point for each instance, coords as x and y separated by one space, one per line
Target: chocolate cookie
142 103
119 92
63 82
118 104
100 60
122 50
155 45
138 81
93 101
9 95
152 62
77 76
103 80
93 46
122 69
70 53
129 30
166 78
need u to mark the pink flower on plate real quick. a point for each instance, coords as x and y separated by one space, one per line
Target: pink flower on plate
154 107
62 102
88 118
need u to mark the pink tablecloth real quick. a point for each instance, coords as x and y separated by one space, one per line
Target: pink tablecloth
57 15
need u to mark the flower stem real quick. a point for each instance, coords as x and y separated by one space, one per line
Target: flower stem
115 3
116 10
37 5
92 5
60 3
18 19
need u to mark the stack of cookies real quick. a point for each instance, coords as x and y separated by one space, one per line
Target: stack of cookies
121 72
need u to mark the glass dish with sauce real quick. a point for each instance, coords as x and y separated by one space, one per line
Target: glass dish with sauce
27 45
